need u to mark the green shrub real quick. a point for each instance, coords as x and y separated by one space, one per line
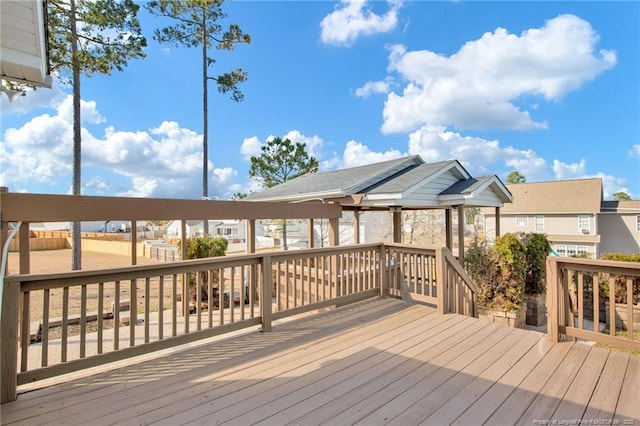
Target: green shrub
537 248
498 272
201 248
482 269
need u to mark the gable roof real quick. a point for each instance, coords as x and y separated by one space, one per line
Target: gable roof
560 196
337 183
411 176
466 191
407 182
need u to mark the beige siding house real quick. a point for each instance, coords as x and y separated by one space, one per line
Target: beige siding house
573 216
619 222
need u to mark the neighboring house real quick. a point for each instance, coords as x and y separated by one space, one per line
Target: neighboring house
232 230
573 216
619 224
23 44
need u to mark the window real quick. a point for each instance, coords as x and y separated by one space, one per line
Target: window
539 223
638 223
583 224
569 251
521 220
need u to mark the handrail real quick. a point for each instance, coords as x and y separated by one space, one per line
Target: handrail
453 262
577 286
5 260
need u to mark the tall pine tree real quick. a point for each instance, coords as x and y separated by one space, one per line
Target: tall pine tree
88 37
197 25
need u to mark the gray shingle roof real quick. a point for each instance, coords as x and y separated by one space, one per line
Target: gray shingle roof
466 186
386 183
404 180
339 182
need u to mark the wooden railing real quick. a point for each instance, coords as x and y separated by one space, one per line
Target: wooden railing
597 300
430 275
61 323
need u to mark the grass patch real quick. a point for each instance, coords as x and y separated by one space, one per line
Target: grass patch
621 333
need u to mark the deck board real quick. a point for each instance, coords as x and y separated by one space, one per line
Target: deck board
382 361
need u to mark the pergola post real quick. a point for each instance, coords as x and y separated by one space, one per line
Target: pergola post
134 242
310 233
448 238
251 236
460 233
356 226
397 224
334 232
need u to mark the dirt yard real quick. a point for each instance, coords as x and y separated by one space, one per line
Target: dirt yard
57 261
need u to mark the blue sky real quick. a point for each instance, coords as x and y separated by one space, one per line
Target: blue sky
551 89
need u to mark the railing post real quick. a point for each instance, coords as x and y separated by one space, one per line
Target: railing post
382 270
266 286
552 299
441 278
9 339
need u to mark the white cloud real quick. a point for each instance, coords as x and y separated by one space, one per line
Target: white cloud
373 87
165 161
354 18
478 87
357 154
250 147
569 170
479 156
634 152
313 143
88 111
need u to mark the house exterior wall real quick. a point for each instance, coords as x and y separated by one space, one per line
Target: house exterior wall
614 226
558 224
621 231
562 230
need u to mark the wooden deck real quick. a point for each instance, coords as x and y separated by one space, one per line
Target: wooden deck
382 361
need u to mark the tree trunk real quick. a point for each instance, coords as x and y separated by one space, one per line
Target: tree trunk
205 122
76 262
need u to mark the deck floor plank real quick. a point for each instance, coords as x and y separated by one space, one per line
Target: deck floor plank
602 404
355 362
550 395
178 371
401 404
315 394
511 408
382 361
575 401
231 400
367 396
628 408
469 394
193 392
499 391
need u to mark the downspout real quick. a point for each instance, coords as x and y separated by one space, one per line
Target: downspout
3 265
